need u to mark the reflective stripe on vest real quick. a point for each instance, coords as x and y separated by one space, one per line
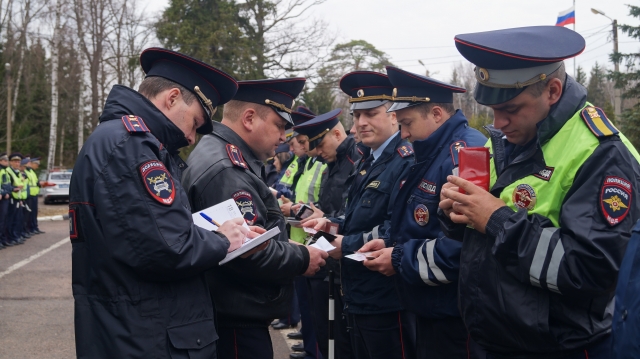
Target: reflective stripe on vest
16 180
34 190
307 190
289 173
545 197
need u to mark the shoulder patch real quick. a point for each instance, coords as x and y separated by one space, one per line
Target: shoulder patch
134 124
405 151
158 182
244 201
236 156
598 122
615 199
455 150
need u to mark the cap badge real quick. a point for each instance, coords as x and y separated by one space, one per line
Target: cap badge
395 92
484 74
360 93
524 197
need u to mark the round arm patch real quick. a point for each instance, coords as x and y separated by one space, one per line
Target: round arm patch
158 182
615 199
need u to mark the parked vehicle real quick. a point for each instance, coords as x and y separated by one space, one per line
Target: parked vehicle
57 186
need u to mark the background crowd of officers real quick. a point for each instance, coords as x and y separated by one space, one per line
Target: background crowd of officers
524 266
19 189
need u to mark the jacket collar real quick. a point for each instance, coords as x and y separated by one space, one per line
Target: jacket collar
123 101
574 97
427 148
231 137
344 148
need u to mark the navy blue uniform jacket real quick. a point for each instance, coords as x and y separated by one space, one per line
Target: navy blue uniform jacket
367 216
138 259
428 262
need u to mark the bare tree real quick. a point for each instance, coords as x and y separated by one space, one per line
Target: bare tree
53 127
287 41
93 26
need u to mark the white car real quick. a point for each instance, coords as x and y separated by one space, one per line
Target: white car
60 189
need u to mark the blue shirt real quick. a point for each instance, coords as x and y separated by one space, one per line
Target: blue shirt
380 149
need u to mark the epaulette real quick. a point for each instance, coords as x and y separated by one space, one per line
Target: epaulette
455 150
598 122
236 156
134 124
405 150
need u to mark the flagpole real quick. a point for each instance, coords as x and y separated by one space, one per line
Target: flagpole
574 29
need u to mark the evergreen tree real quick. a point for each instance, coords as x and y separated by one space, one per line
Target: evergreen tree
629 81
581 76
595 88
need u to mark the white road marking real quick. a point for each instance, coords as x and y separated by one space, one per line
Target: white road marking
33 257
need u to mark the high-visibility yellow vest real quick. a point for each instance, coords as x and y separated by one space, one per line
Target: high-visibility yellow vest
307 190
545 197
17 180
32 178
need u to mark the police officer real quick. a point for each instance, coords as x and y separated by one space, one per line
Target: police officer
249 293
378 329
34 190
137 257
26 203
299 147
427 262
5 195
542 249
15 220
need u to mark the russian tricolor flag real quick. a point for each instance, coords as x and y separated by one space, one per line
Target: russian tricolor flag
567 17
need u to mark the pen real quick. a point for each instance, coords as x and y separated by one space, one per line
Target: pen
210 219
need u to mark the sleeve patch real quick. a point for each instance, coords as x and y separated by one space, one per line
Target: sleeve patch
73 227
598 122
405 151
615 199
247 207
134 124
455 150
236 156
158 182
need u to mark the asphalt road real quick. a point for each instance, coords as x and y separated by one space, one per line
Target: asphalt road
36 302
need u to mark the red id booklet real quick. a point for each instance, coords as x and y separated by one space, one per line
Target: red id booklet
474 166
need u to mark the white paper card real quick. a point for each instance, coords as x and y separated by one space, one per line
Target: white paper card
220 213
357 256
251 244
323 245
309 230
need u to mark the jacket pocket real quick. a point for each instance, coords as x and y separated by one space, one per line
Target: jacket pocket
193 340
375 192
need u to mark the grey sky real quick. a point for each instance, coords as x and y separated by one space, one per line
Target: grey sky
412 30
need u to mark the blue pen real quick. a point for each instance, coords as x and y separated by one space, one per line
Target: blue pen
209 219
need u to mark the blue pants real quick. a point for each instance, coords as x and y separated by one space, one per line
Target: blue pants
308 331
4 214
445 338
381 336
34 214
598 350
244 343
319 300
293 318
15 221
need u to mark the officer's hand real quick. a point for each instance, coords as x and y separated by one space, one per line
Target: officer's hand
337 253
317 213
373 245
6 196
446 204
285 199
296 207
286 207
316 260
474 208
317 223
235 233
381 263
